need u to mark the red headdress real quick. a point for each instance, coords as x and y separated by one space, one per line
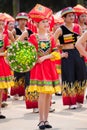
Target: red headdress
40 12
79 9
58 20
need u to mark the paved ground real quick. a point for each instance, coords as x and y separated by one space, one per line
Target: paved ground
20 118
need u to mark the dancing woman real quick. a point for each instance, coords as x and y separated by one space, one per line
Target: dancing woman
44 77
73 68
6 78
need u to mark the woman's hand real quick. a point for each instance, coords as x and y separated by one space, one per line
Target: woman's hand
5 58
41 59
64 55
3 53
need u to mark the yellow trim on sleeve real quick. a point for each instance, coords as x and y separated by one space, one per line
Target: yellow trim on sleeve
56 56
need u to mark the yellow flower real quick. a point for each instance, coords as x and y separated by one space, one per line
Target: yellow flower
43 45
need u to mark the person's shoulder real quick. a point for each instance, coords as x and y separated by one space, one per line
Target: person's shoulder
85 33
76 25
29 32
59 30
9 32
33 36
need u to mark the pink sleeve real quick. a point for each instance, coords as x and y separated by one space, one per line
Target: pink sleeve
6 42
76 28
53 44
32 39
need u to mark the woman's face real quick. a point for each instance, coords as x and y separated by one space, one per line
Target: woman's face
44 24
22 22
70 17
57 25
11 25
82 18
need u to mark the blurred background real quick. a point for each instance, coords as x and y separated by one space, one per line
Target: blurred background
14 6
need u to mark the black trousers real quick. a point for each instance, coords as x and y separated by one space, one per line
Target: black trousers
73 67
25 75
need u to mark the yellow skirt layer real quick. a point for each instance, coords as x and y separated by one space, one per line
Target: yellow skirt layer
45 89
8 84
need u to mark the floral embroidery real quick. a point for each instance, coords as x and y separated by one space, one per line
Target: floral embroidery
43 45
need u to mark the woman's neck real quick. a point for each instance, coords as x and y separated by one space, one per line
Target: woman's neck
81 23
68 25
42 32
43 35
22 28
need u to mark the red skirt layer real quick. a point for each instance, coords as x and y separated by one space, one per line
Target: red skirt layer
44 78
6 78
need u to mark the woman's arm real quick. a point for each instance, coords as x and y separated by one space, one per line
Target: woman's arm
80 44
11 37
23 36
53 56
57 33
41 59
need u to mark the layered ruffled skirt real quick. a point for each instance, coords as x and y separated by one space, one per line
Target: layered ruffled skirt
44 78
6 77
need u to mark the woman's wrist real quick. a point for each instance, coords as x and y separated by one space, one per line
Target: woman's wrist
3 53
